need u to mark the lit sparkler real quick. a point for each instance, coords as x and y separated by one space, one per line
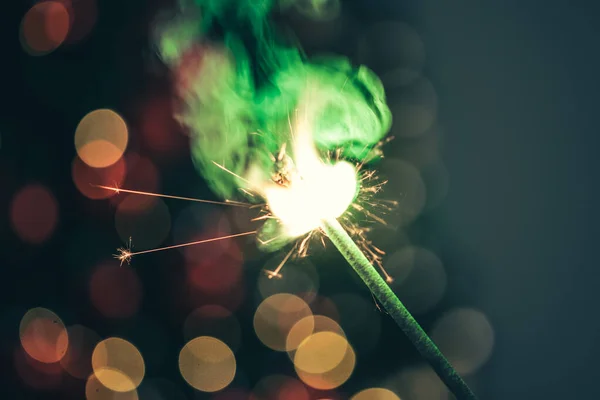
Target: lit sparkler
236 98
311 197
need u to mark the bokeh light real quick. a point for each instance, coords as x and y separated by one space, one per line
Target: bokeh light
375 394
78 358
322 305
414 108
36 374
403 179
399 61
419 383
200 222
161 389
45 27
466 337
216 275
142 175
149 226
207 364
420 278
334 377
216 321
87 178
275 317
320 352
159 130
361 320
43 335
83 18
298 277
34 213
114 291
101 138
96 390
118 365
437 181
307 326
279 387
231 394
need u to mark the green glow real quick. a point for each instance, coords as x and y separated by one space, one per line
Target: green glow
250 83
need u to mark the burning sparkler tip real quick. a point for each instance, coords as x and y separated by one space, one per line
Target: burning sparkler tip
273 274
123 255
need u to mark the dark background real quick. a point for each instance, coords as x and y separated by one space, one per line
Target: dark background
517 86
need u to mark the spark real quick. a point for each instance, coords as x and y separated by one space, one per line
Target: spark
231 172
125 254
275 273
118 190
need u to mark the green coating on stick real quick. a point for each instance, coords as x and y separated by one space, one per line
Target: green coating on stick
344 243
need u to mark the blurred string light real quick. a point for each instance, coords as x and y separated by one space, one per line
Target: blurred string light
47 25
419 383
301 279
361 321
215 321
83 176
317 345
43 335
232 394
207 364
96 390
375 394
101 138
398 62
160 389
320 352
36 374
421 279
118 365
275 317
115 292
333 377
77 359
149 225
324 306
307 326
276 387
34 213
466 337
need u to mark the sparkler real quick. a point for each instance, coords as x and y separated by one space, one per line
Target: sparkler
303 181
238 94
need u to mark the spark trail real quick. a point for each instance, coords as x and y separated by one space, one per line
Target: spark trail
125 254
118 190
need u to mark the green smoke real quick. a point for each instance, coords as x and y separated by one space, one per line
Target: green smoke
240 84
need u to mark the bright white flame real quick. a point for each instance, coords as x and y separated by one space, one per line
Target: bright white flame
318 191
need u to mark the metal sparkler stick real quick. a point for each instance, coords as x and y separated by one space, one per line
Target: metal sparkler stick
419 338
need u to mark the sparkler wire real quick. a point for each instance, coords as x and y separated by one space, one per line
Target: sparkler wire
411 328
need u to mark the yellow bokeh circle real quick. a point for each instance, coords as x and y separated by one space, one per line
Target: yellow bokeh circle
101 138
118 365
334 377
375 394
275 317
207 364
320 352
